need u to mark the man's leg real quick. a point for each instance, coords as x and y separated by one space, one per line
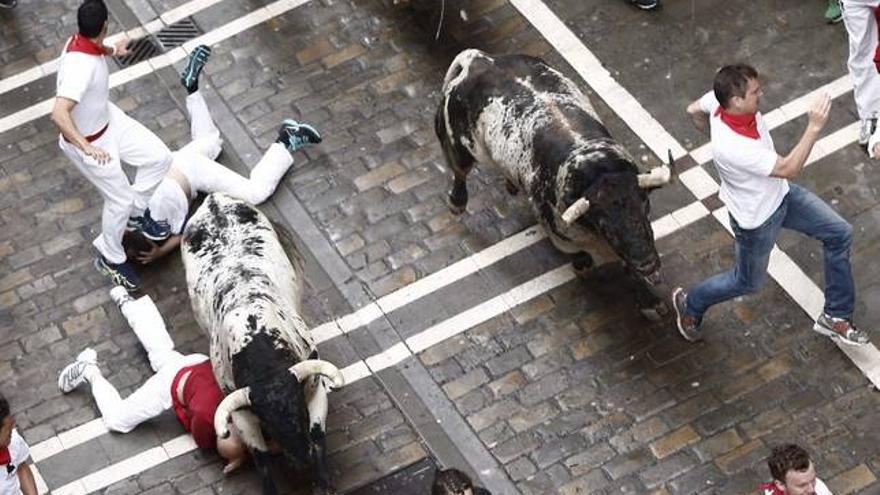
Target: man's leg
753 248
118 197
144 319
142 149
861 27
206 139
208 176
808 214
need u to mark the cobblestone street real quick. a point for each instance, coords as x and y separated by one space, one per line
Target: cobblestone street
475 344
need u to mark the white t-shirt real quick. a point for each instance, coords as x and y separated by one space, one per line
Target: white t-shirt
19 453
169 203
85 79
745 165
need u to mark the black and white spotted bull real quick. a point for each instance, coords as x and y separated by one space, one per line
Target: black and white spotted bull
516 112
245 293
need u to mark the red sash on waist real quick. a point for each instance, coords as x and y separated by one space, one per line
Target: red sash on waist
93 137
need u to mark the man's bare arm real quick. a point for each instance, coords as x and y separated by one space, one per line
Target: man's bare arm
26 479
64 121
699 118
789 166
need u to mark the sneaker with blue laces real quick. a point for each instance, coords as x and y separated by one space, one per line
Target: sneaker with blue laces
121 274
154 230
295 135
189 77
76 373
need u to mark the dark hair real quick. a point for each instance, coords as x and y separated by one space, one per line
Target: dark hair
732 80
785 458
4 407
450 482
134 243
91 17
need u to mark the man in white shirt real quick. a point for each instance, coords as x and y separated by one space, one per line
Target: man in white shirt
860 18
761 201
97 136
16 477
793 473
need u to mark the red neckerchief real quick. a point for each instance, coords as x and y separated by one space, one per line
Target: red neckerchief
744 124
5 457
79 43
771 489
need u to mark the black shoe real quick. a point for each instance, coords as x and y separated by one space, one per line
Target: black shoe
189 77
154 230
646 4
295 135
8 4
121 274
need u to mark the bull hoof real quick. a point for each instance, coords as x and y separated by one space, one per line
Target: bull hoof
454 208
656 313
582 264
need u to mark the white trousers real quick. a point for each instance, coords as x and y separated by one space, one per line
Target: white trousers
154 396
126 140
861 26
197 161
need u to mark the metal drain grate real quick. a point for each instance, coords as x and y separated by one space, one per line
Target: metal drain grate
141 49
167 39
178 33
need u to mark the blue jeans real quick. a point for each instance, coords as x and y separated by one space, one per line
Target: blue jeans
804 212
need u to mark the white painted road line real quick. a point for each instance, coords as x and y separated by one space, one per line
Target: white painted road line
123 76
152 27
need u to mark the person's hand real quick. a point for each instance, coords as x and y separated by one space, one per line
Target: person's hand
120 49
818 113
147 257
100 156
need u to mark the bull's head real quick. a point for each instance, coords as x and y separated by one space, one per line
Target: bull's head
276 395
616 205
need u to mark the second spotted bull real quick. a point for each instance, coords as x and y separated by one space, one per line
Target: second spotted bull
532 122
245 294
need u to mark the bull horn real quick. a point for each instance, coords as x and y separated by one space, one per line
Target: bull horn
309 367
575 211
659 176
236 400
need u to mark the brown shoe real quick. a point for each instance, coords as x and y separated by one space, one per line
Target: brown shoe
688 326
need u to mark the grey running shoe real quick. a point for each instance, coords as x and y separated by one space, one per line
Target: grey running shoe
189 77
646 4
297 135
8 4
841 329
866 129
688 326
74 374
121 274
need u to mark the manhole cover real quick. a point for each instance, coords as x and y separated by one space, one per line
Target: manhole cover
167 39
415 479
178 33
141 49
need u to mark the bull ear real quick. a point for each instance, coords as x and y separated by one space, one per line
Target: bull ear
575 211
236 400
309 367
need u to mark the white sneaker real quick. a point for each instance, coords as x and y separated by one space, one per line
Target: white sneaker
867 127
120 295
74 374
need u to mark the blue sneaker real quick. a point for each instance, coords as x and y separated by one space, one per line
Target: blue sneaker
189 77
121 274
154 230
295 135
